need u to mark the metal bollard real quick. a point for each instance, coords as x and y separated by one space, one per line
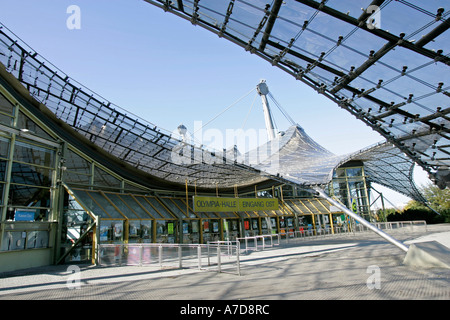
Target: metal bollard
218 259
199 254
180 254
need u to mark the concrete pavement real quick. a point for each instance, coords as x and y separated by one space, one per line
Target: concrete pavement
354 267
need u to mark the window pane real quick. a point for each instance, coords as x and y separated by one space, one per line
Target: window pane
148 207
29 196
2 169
104 179
122 206
76 178
23 122
76 163
28 174
28 153
8 108
4 148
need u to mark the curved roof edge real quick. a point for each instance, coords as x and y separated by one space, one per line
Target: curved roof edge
128 139
391 82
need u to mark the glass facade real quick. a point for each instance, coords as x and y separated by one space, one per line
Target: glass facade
350 187
27 179
54 196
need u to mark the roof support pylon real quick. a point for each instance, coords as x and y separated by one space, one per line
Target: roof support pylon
263 90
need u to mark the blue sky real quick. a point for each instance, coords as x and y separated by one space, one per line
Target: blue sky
168 72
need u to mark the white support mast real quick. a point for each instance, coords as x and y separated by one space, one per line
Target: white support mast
263 90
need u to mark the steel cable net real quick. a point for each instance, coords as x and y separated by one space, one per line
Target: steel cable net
385 62
297 158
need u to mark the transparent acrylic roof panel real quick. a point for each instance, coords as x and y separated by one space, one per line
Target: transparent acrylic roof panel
114 198
351 7
129 200
408 33
142 201
403 17
86 200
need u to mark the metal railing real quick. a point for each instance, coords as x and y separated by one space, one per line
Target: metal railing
261 242
224 256
214 256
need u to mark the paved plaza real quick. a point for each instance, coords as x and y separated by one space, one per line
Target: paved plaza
352 267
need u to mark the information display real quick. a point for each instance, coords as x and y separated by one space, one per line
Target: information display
217 204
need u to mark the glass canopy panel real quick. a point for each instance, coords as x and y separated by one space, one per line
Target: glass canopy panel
440 43
313 43
89 203
212 11
432 74
290 20
106 205
161 209
349 7
146 205
174 208
329 28
127 210
399 17
133 204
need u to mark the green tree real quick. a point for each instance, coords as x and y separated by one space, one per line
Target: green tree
438 200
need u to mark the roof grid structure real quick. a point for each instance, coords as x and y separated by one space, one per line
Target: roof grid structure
121 134
384 61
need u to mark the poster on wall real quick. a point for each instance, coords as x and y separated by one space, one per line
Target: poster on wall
170 228
118 228
215 227
104 233
206 226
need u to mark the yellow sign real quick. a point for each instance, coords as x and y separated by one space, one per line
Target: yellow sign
216 204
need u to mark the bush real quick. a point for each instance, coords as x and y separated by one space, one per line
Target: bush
420 214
